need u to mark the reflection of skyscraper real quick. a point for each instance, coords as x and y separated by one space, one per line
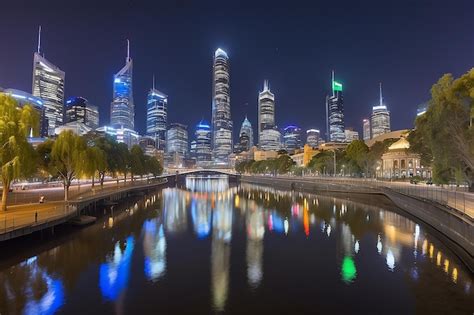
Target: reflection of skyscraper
201 214
154 248
156 116
335 113
114 274
174 204
220 251
380 118
221 117
122 109
48 84
255 232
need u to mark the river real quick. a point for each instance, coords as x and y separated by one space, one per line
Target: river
211 247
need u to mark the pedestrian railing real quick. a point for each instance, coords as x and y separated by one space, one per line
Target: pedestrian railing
462 201
14 221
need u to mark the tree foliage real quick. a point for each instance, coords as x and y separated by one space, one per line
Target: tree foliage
16 154
444 135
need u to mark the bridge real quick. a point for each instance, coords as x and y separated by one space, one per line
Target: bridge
179 175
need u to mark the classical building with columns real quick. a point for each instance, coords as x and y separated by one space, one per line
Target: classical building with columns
399 162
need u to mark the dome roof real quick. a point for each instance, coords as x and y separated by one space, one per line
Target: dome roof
401 144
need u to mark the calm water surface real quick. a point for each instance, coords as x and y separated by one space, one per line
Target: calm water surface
209 247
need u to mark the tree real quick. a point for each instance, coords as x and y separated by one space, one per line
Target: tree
284 164
357 151
153 166
68 155
95 163
16 154
446 130
121 160
323 162
137 161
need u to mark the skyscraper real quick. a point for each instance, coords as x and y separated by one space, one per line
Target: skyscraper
177 143
270 139
335 113
48 84
380 118
203 144
122 109
366 129
266 111
312 137
292 138
156 116
221 118
246 129
78 109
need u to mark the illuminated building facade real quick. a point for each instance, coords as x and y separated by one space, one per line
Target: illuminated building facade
157 116
203 151
421 109
270 140
292 138
221 116
351 135
48 85
177 144
380 118
78 109
366 129
122 109
335 113
266 112
246 135
312 137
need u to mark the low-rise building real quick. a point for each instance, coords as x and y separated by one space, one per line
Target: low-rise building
261 155
399 162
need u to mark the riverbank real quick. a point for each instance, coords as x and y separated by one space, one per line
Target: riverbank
454 229
29 218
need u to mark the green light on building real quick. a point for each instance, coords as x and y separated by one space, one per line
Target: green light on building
336 86
348 270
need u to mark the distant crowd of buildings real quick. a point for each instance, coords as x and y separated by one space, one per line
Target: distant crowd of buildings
210 144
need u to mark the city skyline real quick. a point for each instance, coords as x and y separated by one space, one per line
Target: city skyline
295 89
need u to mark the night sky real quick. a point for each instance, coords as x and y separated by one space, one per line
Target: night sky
407 45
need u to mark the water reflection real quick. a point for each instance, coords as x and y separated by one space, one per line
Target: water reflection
114 274
215 238
154 248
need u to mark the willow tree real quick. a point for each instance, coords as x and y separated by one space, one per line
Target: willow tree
68 156
16 154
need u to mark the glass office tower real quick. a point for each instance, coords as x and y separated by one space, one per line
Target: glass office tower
122 109
48 85
221 116
335 113
380 118
156 117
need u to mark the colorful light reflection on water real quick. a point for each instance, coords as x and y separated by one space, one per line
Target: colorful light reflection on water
212 247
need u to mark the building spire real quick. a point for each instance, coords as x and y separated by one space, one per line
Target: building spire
332 83
153 81
39 39
265 85
128 50
381 98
